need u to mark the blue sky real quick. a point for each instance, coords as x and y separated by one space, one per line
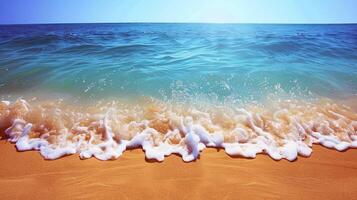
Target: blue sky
221 11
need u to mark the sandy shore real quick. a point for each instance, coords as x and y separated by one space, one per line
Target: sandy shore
327 174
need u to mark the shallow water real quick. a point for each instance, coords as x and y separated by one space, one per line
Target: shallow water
98 89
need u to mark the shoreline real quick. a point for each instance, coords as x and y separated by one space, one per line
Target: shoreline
326 174
286 130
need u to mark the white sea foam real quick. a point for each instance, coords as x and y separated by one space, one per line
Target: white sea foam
282 131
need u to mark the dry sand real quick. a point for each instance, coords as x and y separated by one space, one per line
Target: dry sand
327 174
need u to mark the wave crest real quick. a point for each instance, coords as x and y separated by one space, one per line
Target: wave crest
282 130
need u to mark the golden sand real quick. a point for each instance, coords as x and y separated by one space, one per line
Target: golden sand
327 174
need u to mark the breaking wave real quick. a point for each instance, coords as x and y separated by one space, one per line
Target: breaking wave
280 129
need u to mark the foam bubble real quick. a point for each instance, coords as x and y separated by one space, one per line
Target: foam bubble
282 130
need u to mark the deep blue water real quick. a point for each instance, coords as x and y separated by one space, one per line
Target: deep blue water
178 60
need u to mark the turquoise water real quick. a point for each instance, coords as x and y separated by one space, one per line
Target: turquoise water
247 89
219 61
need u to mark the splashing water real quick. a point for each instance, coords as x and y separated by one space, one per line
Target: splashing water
99 89
282 130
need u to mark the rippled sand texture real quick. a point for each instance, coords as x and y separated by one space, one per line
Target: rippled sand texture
282 130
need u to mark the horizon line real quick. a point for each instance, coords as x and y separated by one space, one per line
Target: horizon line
144 22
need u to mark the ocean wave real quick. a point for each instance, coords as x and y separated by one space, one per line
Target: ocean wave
282 130
163 53
82 49
26 41
128 49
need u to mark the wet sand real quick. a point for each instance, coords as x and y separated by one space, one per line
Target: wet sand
327 174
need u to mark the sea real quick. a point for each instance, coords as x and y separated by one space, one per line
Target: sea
95 90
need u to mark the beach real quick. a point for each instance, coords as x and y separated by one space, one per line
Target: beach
178 111
327 174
